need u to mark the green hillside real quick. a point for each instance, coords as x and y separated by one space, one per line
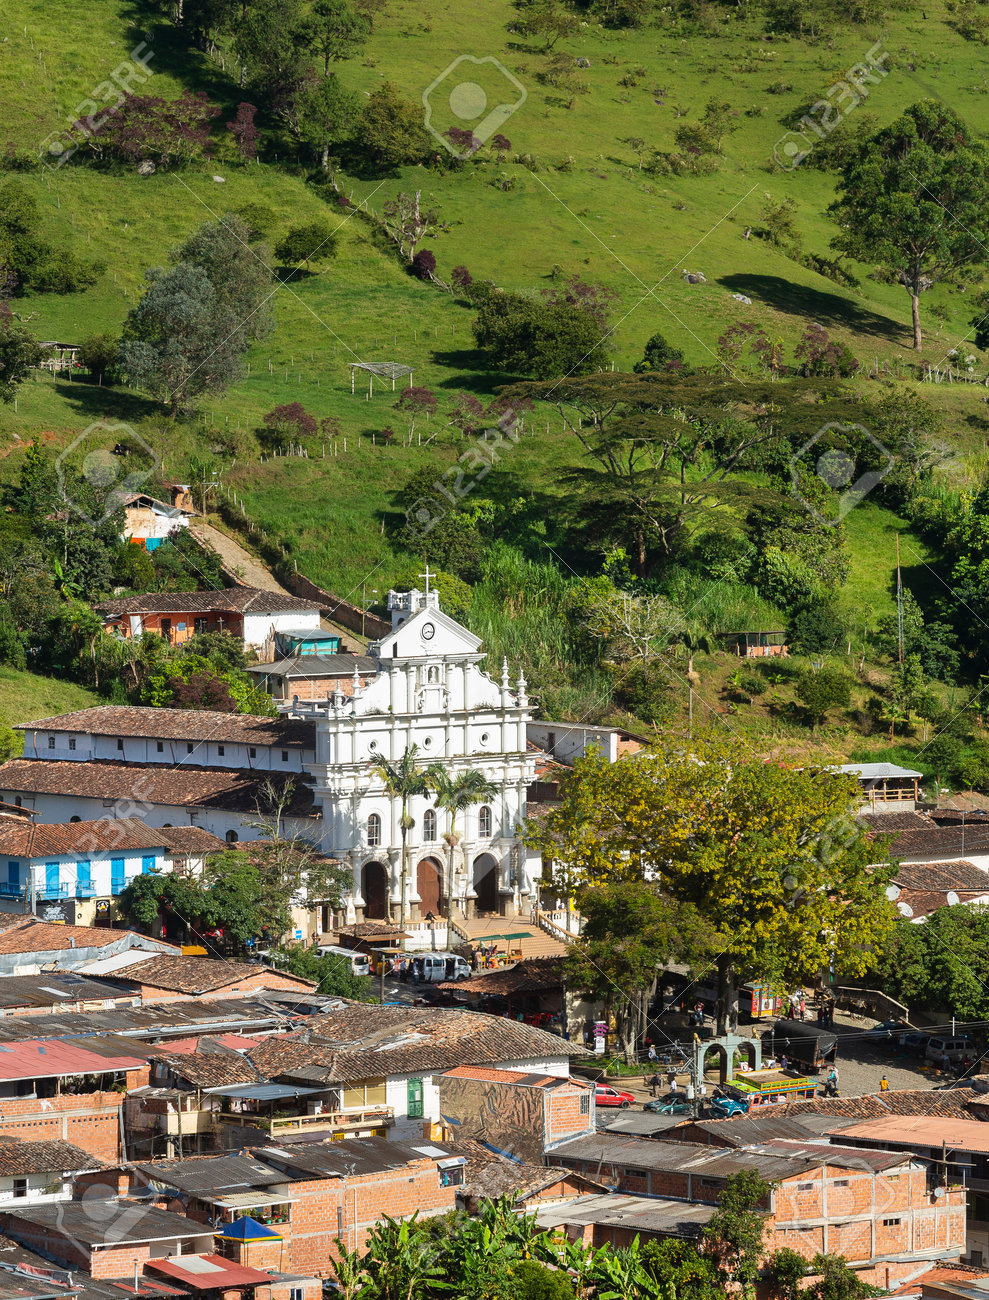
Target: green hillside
570 198
25 696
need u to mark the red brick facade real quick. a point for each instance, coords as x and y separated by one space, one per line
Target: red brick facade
833 1210
90 1120
264 979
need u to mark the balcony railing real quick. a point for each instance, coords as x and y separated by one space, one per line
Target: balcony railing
11 891
53 891
378 1116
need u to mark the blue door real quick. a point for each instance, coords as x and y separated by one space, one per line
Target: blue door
13 878
147 864
117 877
84 878
51 879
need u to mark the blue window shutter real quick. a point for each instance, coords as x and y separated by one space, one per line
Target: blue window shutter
84 875
147 864
13 873
51 879
117 875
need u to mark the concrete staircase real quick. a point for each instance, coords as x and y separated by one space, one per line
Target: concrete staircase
536 943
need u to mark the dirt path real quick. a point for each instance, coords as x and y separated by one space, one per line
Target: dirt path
248 567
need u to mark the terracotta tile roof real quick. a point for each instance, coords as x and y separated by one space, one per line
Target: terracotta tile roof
363 1041
180 724
33 840
942 876
194 840
489 1074
491 1175
27 934
883 823
195 975
535 974
923 901
944 1102
239 600
50 1157
938 842
232 789
213 1069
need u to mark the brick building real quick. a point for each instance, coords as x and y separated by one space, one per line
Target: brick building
172 978
885 1212
249 613
526 1114
305 1195
106 1239
314 677
51 1089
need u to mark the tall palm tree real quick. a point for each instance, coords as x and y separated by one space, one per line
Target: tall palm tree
404 780
455 794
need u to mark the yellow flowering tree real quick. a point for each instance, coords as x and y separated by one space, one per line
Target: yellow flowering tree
769 856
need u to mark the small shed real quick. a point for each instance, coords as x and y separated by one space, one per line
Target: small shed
58 356
757 645
885 784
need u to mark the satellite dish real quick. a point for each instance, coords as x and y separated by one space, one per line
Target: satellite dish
904 909
892 892
939 1192
952 898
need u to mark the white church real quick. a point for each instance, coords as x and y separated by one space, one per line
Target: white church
431 693
176 767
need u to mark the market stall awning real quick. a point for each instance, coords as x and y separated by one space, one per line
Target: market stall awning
245 1200
262 1091
248 1229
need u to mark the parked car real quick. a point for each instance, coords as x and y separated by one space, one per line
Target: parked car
726 1107
887 1029
944 1046
675 1105
607 1096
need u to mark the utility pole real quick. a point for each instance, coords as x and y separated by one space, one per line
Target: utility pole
899 605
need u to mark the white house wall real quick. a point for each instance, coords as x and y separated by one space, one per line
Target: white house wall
55 809
259 627
131 749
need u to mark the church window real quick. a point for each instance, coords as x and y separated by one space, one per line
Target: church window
51 742
484 737
232 837
427 743
429 825
484 823
374 830
373 745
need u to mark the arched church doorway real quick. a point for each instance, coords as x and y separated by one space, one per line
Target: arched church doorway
374 887
486 883
429 876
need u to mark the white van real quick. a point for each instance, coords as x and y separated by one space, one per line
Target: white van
955 1049
437 967
360 962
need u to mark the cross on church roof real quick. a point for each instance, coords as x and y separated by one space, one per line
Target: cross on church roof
427 575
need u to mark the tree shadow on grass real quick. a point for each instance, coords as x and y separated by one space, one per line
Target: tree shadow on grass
829 309
473 373
95 402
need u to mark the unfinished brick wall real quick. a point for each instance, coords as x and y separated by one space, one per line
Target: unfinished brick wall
350 1208
90 1120
563 1118
239 988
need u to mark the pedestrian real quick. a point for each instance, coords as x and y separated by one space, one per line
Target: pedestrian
673 1085
831 1086
671 1079
415 972
820 1014
655 1083
803 1007
699 1009
652 1052
884 1084
784 1061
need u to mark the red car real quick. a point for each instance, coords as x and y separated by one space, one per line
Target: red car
605 1096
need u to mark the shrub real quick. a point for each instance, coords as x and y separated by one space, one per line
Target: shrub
424 264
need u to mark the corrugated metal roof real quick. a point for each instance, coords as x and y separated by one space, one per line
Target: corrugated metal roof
44 1057
207 1272
263 1091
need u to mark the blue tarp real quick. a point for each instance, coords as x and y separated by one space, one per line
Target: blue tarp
248 1229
